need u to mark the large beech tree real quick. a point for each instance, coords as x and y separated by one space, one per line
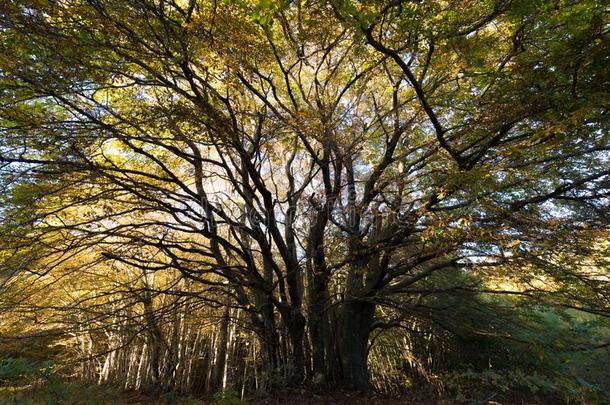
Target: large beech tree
326 167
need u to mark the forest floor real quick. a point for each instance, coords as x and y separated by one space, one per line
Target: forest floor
75 394
296 396
289 397
306 397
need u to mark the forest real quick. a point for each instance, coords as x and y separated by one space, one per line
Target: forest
298 201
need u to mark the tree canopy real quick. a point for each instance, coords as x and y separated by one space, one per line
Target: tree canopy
198 194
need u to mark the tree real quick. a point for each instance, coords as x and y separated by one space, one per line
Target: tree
321 164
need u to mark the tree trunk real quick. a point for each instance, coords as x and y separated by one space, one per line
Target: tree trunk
296 330
355 321
264 321
221 352
320 333
269 342
294 323
155 340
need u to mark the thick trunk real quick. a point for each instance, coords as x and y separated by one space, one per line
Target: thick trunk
264 322
294 322
221 351
296 331
155 340
296 326
321 334
271 344
355 321
316 336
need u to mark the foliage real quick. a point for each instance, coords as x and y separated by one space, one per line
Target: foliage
227 396
36 382
19 369
550 358
276 193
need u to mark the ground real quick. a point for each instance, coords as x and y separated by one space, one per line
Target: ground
74 394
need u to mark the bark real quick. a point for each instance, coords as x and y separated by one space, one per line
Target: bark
268 338
355 321
294 323
297 333
155 338
320 333
221 351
